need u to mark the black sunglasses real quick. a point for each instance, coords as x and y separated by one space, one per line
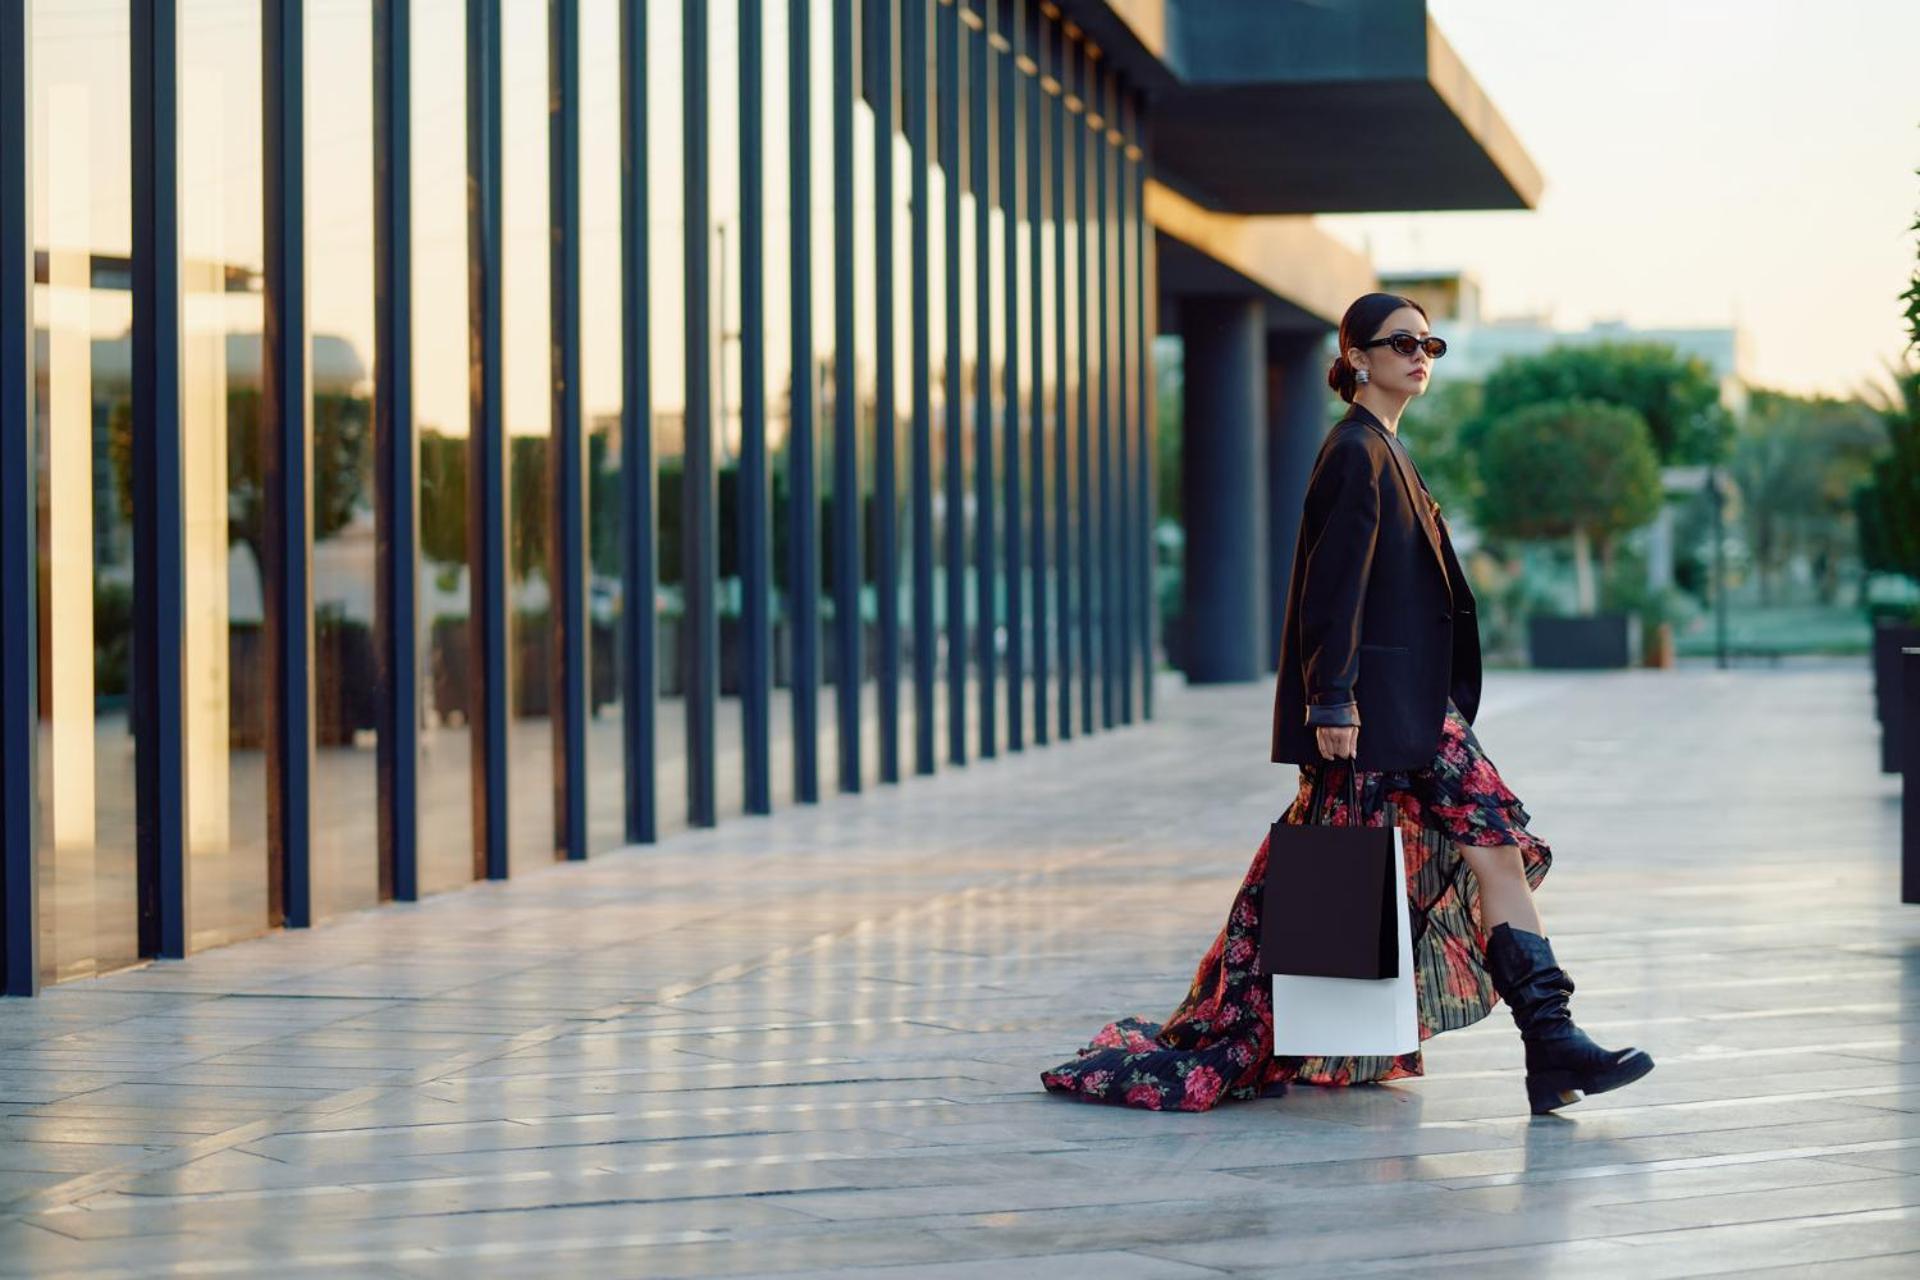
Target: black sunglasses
1406 344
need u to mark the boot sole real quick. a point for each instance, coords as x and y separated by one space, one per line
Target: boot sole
1548 1091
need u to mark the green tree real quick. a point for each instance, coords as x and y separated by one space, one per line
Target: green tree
603 500
1579 469
1168 378
341 467
1911 296
1436 428
1677 396
1888 505
1798 460
529 513
443 497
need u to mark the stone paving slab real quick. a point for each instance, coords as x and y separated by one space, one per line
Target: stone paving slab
809 1045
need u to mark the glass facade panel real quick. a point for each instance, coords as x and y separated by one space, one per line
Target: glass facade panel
1020 346
944 328
776 186
339 194
1073 669
965 245
602 334
1122 361
866 274
1100 379
724 373
666 300
223 477
1024 284
1045 403
900 290
83 416
1086 431
820 377
447 710
996 520
937 389
527 396
1016 133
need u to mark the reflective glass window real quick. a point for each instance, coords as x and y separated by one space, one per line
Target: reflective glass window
666 304
346 687
527 408
602 334
776 185
224 496
865 282
723 234
83 422
439 103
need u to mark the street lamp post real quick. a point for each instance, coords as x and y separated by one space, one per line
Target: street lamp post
1719 567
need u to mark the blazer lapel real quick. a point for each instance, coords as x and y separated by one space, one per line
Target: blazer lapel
1421 513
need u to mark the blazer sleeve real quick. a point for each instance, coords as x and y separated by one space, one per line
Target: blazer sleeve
1334 581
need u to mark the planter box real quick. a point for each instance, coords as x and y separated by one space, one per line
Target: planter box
346 689
1660 648
603 660
247 691
1173 635
1604 640
448 657
1888 639
1889 686
530 646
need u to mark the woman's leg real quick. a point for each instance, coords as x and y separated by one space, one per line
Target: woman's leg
1505 895
1563 1063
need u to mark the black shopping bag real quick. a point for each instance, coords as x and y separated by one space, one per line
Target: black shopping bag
1328 909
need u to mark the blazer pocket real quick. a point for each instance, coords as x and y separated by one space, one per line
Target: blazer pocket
1385 648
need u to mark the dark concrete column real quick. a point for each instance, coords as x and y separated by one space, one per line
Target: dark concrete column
1223 489
1297 421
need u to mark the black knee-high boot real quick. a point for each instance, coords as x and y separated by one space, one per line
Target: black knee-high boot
1563 1064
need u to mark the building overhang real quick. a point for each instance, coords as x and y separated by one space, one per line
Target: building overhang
1307 276
1288 107
1292 106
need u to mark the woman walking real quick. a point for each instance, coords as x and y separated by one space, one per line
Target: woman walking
1380 674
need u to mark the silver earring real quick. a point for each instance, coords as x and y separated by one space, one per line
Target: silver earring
1361 377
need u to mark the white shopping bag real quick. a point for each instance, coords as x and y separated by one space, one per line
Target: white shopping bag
1353 1017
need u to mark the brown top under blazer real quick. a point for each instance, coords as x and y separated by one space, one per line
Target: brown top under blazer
1380 624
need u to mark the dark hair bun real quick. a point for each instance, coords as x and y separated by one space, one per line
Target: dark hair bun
1340 378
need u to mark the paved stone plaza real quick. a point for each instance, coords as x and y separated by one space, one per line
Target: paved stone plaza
811 1044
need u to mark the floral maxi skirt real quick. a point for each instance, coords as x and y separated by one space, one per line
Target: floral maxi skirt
1219 1042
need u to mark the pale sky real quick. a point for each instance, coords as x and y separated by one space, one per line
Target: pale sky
1706 162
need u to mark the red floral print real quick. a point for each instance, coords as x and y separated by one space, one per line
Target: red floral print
1218 1043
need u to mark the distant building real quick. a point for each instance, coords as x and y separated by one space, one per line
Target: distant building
1477 345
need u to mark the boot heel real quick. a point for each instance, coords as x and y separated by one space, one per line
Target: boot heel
1551 1090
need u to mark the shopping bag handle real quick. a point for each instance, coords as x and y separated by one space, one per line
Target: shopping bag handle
1320 791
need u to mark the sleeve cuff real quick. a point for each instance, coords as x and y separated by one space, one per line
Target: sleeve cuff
1334 713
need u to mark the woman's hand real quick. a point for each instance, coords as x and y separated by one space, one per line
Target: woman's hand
1338 741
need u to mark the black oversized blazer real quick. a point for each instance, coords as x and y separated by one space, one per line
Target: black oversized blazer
1380 624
